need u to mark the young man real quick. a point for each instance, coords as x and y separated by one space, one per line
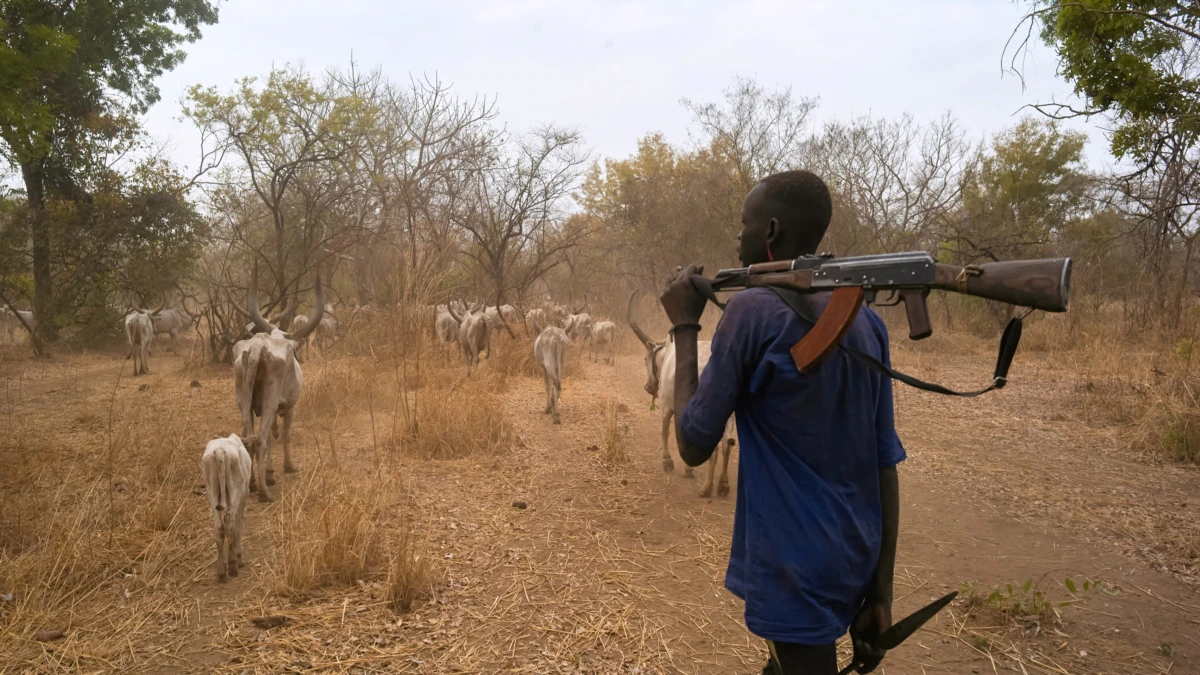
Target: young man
818 500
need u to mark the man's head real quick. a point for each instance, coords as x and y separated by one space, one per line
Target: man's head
786 214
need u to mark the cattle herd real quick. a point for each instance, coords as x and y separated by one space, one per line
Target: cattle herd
268 380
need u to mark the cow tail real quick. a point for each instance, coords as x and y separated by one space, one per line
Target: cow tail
222 479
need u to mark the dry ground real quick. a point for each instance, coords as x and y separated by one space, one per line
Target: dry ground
609 569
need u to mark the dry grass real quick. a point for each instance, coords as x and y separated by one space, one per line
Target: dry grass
330 526
410 574
461 421
612 440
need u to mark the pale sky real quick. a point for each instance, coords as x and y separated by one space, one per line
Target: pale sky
616 70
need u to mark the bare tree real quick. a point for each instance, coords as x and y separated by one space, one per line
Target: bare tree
514 208
761 131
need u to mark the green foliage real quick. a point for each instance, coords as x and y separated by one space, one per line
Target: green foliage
1130 58
1027 599
1184 348
1181 438
1026 188
1165 650
62 68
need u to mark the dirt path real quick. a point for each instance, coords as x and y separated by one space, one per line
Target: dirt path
620 569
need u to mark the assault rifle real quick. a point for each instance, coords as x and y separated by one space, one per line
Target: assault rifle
903 277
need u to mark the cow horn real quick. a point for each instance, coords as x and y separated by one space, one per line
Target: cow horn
453 314
581 307
315 319
252 303
244 313
637 330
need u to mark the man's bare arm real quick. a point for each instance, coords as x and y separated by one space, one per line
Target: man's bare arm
687 379
885 571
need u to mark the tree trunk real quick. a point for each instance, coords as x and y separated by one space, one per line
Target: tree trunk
43 282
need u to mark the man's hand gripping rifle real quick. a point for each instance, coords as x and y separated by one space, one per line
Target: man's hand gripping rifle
889 279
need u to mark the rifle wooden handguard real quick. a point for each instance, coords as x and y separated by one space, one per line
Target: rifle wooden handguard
830 328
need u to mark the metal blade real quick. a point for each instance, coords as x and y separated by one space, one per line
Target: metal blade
903 629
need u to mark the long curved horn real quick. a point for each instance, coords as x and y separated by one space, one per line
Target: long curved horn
637 330
315 319
453 314
581 307
289 310
252 303
244 313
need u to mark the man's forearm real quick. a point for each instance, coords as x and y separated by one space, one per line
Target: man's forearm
889 493
687 379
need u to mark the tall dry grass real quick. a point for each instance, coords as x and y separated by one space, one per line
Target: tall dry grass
78 519
613 448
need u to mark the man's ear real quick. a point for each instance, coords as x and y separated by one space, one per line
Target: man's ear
772 230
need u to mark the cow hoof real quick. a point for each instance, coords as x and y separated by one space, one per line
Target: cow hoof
233 570
706 491
557 420
688 473
221 577
723 489
290 468
668 465
270 480
264 497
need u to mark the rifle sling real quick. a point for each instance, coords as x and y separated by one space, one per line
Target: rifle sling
1008 345
1008 348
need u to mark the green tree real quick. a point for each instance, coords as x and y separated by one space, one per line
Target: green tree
71 75
1025 189
1131 59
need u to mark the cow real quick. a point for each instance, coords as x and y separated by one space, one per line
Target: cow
549 350
536 321
660 383
474 336
446 327
173 322
226 466
603 333
494 314
139 329
578 327
13 321
268 380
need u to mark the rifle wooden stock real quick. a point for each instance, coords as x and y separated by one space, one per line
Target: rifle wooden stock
1041 284
830 328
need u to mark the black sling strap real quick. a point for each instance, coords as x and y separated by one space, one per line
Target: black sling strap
1008 348
1008 344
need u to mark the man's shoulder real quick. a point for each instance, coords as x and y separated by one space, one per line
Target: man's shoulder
754 300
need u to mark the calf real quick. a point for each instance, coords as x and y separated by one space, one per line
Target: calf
549 350
226 470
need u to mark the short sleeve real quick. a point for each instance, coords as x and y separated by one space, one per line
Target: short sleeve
890 450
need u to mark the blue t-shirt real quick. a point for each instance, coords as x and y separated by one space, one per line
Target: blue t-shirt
808 524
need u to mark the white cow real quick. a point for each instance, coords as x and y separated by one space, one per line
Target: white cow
578 327
12 322
603 334
474 336
268 379
660 383
536 321
226 467
508 312
173 322
549 350
139 329
446 327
